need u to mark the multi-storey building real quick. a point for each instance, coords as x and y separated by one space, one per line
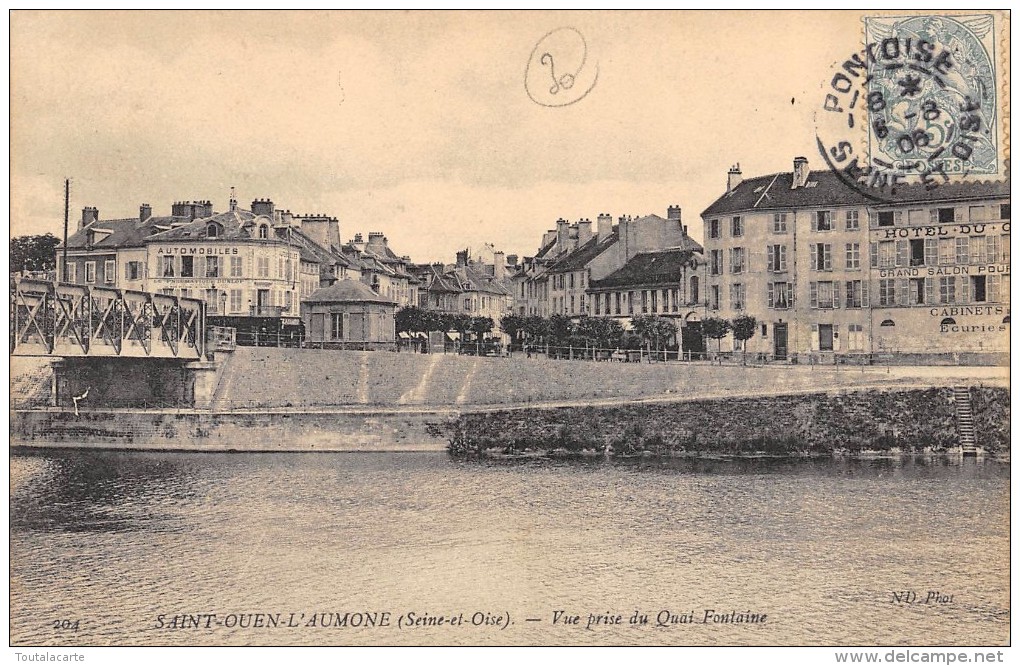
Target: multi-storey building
829 270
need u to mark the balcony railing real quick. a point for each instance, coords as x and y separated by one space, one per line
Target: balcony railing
266 311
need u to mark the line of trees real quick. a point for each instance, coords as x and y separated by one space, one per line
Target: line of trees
647 332
34 253
742 327
412 319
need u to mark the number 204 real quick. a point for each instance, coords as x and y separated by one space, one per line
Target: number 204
66 625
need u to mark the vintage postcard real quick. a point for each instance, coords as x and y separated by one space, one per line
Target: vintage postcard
511 328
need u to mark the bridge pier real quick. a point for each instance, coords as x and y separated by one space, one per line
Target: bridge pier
203 378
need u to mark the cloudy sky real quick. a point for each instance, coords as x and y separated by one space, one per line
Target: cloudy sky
418 125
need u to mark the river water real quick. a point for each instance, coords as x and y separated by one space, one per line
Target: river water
263 549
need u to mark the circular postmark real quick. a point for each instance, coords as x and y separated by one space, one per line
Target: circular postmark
915 105
559 72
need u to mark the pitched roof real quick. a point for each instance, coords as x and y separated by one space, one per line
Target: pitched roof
650 268
826 188
347 291
579 258
129 232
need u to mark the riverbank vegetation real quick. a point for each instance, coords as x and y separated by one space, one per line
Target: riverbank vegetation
904 421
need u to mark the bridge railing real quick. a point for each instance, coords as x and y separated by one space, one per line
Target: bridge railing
54 318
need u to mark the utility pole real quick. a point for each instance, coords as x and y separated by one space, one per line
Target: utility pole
67 205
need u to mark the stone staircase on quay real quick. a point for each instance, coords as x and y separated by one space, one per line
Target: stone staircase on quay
965 420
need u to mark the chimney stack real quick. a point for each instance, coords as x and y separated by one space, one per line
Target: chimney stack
733 178
673 213
583 231
512 259
462 258
548 237
499 265
623 228
89 214
562 235
800 172
605 226
262 207
144 212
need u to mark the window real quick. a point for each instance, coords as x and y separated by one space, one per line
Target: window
714 289
571 280
630 302
947 289
616 303
263 231
212 231
764 330
978 248
776 256
737 294
821 256
168 267
212 267
918 291
856 294
467 305
822 221
235 300
1003 211
262 267
736 260
916 216
978 288
90 272
962 249
947 250
715 257
823 295
1004 248
288 300
779 223
992 249
236 267
853 220
134 270
167 291
853 256
856 337
694 289
993 289
887 292
212 301
780 295
977 213
598 304
655 300
109 271
72 272
737 226
886 218
946 215
336 329
571 303
187 267
917 252
644 302
713 228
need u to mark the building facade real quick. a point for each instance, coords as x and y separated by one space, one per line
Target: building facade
835 273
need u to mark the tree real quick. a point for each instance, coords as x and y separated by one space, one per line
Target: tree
536 327
410 319
654 331
715 328
744 327
512 325
34 253
560 328
480 326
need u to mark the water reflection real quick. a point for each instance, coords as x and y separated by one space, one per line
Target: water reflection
819 544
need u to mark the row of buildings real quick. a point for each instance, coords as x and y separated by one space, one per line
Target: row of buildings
830 271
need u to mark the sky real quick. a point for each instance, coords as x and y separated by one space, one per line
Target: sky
419 125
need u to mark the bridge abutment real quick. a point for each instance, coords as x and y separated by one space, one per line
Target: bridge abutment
103 382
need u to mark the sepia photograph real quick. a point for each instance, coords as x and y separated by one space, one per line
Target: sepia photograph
682 329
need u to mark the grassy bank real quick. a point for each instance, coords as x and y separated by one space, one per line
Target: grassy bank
904 420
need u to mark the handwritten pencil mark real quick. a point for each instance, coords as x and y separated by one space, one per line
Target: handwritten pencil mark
564 50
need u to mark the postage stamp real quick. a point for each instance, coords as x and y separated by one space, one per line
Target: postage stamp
918 103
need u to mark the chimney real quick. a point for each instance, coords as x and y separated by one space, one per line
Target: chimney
605 226
673 213
233 198
358 239
262 207
583 231
548 237
203 209
89 214
462 258
144 212
624 230
800 172
562 235
286 217
733 178
376 238
498 265
511 259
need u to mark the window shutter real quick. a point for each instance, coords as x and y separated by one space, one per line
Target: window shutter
993 289
782 257
835 337
814 337
898 217
931 251
835 294
874 255
770 294
827 255
902 253
813 294
929 290
864 294
849 293
964 291
993 249
933 215
814 221
771 252
902 291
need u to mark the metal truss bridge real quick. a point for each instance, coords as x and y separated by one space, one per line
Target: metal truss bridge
58 319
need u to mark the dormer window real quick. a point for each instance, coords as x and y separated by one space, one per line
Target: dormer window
212 231
263 231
